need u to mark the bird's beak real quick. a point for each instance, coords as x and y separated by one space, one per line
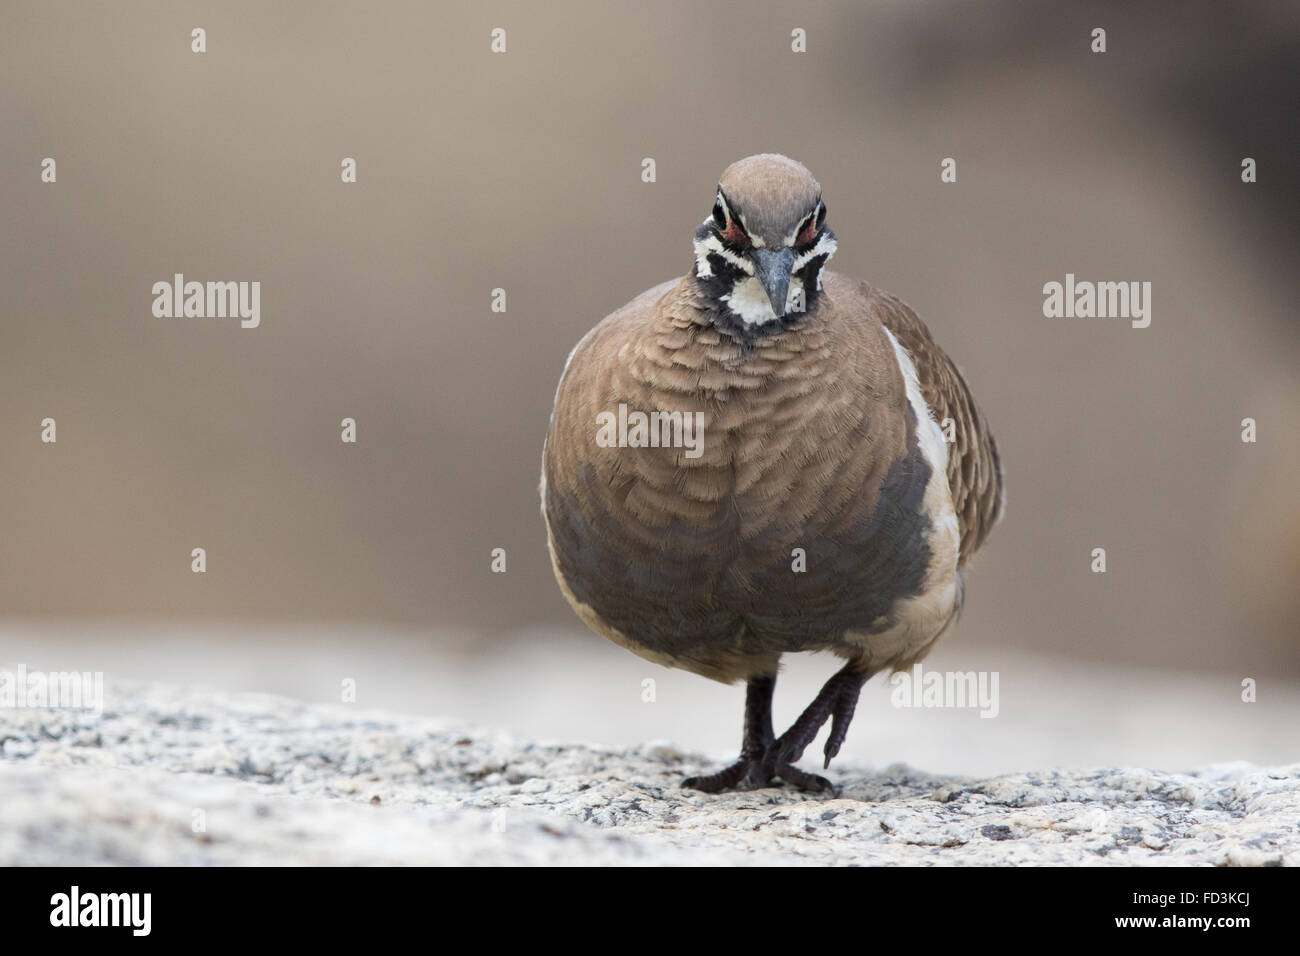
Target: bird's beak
772 269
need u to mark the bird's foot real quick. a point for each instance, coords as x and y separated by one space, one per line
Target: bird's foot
836 702
764 759
748 772
755 771
801 779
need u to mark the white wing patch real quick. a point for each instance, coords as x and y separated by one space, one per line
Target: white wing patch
921 619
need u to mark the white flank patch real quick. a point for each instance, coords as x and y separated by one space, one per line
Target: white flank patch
921 619
933 447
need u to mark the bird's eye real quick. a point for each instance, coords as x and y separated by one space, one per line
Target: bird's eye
808 233
736 236
728 228
720 213
812 225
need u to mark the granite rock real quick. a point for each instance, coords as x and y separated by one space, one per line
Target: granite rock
172 776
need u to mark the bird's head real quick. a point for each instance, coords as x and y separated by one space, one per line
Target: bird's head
759 255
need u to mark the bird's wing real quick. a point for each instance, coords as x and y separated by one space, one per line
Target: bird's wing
974 468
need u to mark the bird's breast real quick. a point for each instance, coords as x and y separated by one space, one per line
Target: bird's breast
775 492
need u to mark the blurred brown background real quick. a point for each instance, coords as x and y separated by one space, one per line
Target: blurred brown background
522 171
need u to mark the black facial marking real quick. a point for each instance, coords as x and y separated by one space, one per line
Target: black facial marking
810 273
725 275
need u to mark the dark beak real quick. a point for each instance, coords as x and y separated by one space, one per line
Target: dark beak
772 269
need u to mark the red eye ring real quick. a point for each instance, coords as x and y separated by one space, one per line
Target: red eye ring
808 233
735 235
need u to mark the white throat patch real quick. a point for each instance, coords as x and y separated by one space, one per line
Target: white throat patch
748 300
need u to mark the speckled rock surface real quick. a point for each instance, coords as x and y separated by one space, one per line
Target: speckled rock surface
168 776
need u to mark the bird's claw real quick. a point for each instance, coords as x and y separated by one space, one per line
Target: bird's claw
756 771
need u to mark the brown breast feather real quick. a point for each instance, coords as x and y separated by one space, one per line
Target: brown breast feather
809 442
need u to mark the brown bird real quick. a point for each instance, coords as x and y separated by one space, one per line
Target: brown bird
751 461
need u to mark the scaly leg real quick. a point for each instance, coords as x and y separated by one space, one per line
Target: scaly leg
750 769
836 701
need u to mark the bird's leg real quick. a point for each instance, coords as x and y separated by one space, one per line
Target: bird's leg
836 701
751 768
846 702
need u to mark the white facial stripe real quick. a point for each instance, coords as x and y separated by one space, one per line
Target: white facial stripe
789 240
702 267
711 244
726 210
825 245
755 241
